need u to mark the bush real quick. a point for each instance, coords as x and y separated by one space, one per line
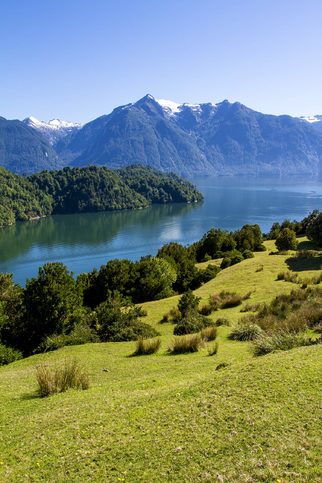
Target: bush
191 323
245 331
248 254
212 351
286 240
225 263
8 355
250 308
70 375
186 343
209 333
81 334
282 341
147 346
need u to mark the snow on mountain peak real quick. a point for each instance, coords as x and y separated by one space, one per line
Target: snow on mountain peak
171 108
311 119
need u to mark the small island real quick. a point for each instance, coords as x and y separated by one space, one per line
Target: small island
90 189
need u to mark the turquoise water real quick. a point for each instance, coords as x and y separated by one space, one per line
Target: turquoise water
86 241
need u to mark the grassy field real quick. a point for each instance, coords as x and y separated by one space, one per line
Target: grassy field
172 418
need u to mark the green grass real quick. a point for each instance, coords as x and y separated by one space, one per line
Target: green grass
171 417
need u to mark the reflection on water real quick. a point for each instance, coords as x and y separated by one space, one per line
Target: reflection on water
89 240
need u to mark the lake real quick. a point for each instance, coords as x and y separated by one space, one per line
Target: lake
89 240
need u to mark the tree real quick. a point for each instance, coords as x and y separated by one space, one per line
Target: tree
49 300
213 243
286 240
188 303
154 279
314 227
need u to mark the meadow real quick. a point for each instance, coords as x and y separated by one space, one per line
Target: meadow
230 417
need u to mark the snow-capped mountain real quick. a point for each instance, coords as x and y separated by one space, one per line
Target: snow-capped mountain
316 121
53 130
189 139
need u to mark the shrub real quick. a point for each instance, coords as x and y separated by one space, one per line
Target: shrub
282 341
193 322
248 254
212 350
147 346
70 375
286 240
226 262
209 333
186 343
245 331
81 334
8 355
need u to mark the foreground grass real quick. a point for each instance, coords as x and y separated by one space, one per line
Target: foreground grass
171 418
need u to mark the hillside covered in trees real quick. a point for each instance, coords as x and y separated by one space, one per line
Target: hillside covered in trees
79 190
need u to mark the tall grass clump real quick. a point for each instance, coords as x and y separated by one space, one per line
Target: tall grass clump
245 331
282 341
209 333
186 343
147 346
69 375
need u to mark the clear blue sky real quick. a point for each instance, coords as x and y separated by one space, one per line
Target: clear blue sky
78 59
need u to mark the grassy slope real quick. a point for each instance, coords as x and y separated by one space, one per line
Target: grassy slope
171 418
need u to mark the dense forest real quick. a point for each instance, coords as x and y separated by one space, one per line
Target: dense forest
79 190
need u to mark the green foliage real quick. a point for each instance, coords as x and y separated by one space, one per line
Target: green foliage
213 243
8 355
249 237
44 308
91 189
20 199
158 187
286 240
81 334
314 227
116 322
155 278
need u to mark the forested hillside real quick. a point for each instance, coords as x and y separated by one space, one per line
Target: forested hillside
79 190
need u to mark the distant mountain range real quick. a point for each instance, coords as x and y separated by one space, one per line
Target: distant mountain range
189 139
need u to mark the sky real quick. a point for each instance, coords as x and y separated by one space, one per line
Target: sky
78 59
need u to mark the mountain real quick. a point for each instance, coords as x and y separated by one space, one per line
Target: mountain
316 121
24 150
224 138
188 139
53 130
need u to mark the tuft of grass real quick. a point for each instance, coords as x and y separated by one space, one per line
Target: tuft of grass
212 350
280 342
186 343
288 277
69 375
245 331
147 346
209 333
222 321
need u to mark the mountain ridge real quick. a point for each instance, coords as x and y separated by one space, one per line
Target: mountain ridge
189 139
